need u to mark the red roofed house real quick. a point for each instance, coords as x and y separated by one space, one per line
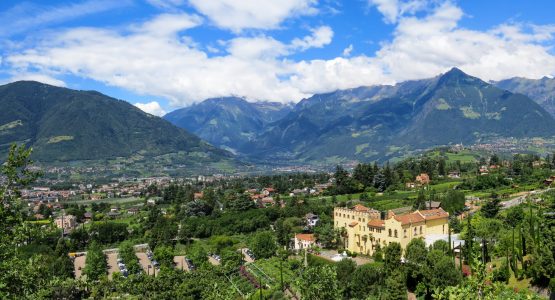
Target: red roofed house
305 241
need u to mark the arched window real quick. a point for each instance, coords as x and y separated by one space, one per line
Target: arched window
389 232
395 232
415 231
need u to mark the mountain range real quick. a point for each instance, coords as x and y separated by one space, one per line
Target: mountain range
364 123
373 123
231 123
66 125
540 90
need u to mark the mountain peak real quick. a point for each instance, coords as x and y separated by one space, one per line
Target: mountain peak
455 76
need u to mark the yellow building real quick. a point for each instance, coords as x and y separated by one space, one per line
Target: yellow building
364 228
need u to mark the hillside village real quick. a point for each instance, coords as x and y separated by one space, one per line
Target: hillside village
134 226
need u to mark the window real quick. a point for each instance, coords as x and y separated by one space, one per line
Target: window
443 228
405 233
395 232
420 229
415 231
389 232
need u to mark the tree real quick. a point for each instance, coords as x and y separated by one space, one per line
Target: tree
318 283
491 208
231 259
263 245
453 202
16 275
366 280
395 286
327 235
164 255
344 270
197 208
442 270
283 232
242 203
415 255
420 202
95 264
392 257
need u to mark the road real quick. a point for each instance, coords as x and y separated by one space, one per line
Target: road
521 197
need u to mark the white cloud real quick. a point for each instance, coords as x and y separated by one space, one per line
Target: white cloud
237 15
392 10
320 37
159 60
166 4
38 77
152 108
347 51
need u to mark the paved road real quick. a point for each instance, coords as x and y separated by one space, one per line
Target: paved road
79 265
112 259
521 198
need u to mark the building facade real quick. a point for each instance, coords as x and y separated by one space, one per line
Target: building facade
67 222
364 229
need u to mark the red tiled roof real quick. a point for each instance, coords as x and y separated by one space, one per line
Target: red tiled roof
305 237
353 224
376 223
361 208
433 214
409 218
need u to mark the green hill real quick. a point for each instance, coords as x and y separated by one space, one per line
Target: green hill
65 125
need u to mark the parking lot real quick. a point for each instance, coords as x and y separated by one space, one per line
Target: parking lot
79 265
112 260
145 263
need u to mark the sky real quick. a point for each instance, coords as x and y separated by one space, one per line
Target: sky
163 55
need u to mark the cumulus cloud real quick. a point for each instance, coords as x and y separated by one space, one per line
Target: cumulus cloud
152 108
347 51
237 15
320 37
157 58
392 10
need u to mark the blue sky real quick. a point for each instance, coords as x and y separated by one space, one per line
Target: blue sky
161 55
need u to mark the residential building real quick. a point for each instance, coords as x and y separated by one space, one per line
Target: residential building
365 229
304 241
67 222
311 219
423 179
